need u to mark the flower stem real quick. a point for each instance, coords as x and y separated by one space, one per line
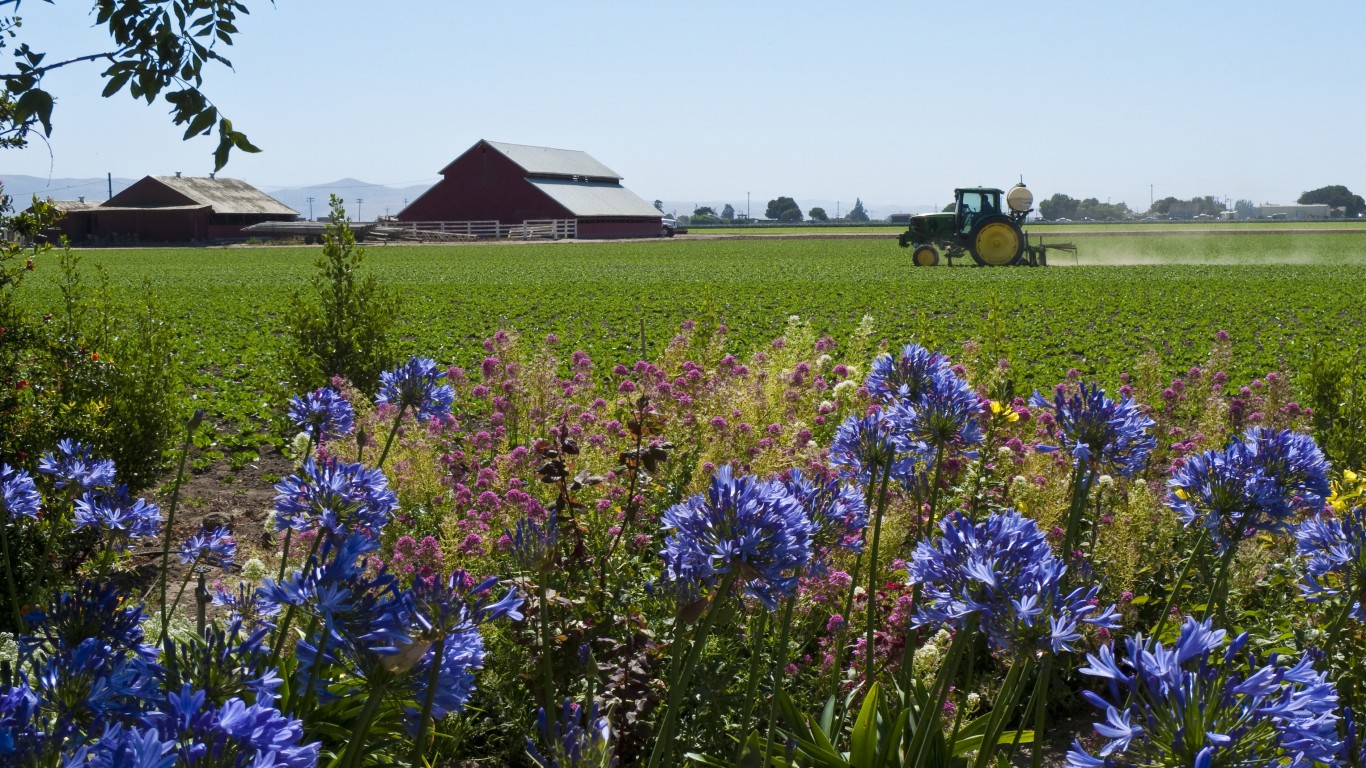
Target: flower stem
389 442
356 739
664 743
1180 580
873 574
752 684
778 671
547 671
282 632
9 581
428 697
165 624
170 509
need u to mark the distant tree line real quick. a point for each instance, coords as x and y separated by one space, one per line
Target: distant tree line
1061 206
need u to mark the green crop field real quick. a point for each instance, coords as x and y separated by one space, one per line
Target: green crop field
1278 295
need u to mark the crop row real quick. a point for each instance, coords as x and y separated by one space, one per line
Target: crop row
603 298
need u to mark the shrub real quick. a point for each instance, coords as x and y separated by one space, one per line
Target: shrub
341 325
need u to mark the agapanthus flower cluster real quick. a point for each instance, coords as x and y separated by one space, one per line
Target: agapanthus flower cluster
362 618
904 376
234 734
226 662
1203 702
415 386
88 663
1258 483
74 466
1335 552
1002 574
116 514
447 614
535 545
323 413
946 414
1099 431
837 511
215 546
18 494
336 496
864 447
744 527
246 603
581 739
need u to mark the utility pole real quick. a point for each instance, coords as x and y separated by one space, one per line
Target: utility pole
359 202
310 208
1150 198
747 217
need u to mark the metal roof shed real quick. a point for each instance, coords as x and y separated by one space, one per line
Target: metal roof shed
516 183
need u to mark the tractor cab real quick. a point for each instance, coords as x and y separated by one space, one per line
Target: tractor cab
971 204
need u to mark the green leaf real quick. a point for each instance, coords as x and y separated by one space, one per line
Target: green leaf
202 123
116 83
863 741
35 104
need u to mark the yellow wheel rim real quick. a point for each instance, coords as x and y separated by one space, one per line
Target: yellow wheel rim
997 243
925 256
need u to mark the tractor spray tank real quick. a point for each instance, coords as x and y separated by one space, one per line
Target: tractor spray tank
980 227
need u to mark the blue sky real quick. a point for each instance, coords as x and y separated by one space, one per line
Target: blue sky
895 102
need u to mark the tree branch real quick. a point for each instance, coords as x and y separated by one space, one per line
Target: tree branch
40 71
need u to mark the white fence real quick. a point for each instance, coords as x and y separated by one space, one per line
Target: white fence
552 229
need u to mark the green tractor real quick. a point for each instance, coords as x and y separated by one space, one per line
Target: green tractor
979 227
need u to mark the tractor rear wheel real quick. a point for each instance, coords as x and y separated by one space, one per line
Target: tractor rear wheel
996 241
925 256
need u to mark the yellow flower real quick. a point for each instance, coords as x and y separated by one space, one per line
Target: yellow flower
1349 476
1181 494
996 406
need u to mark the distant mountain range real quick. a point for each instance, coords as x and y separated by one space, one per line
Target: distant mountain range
364 201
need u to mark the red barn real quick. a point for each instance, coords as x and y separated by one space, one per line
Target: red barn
169 209
516 183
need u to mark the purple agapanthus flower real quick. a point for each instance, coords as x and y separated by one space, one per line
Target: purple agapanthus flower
535 545
234 733
1002 574
117 514
323 413
74 464
1205 702
216 546
946 414
452 611
1098 430
904 376
740 526
837 511
1334 549
1259 483
863 447
246 604
124 747
416 386
18 494
584 739
338 496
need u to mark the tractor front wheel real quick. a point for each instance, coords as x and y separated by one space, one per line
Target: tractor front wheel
996 241
925 256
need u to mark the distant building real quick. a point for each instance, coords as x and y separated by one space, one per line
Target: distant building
1315 212
173 209
516 183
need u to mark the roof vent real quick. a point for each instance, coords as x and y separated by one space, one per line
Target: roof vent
211 174
177 174
82 198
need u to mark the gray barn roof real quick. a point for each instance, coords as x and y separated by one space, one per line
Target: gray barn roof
545 161
585 198
225 195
